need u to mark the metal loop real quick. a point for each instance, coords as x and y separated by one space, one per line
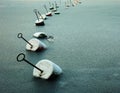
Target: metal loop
20 35
20 57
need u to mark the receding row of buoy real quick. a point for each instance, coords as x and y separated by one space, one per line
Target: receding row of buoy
69 3
41 17
44 68
52 9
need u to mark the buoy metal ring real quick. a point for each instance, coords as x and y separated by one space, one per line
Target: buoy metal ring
20 57
20 35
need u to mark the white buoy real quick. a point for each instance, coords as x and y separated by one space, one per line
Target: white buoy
57 12
40 35
43 35
43 69
39 22
67 4
48 67
37 45
56 5
54 10
51 6
48 13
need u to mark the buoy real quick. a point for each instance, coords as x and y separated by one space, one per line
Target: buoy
43 35
48 13
43 69
57 12
51 6
33 44
37 45
66 5
40 35
56 5
48 68
55 9
38 22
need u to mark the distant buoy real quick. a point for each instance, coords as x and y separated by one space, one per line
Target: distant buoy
40 35
57 12
48 13
56 5
39 22
67 4
48 68
54 10
43 69
37 45
51 6
43 35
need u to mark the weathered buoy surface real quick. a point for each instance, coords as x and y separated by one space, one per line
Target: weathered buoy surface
39 22
40 35
37 45
48 68
49 14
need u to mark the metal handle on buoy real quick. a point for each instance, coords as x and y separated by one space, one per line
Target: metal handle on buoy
45 8
35 11
22 56
40 15
20 35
